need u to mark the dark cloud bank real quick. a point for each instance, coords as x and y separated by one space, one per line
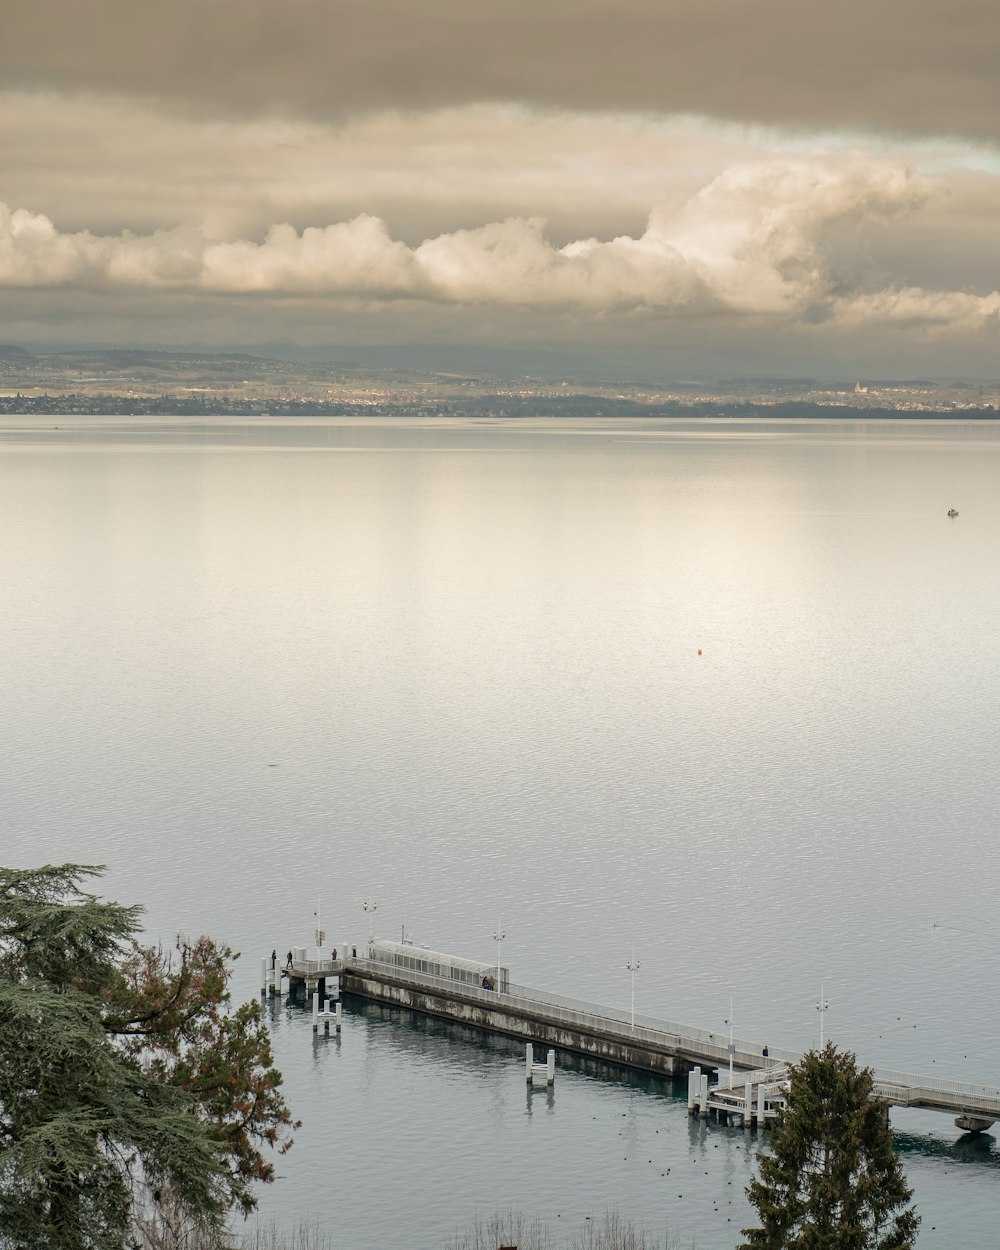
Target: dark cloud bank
924 66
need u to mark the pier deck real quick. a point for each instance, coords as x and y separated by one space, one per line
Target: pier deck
664 1047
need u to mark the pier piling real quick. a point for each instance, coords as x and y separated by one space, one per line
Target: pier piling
533 1070
270 978
325 1015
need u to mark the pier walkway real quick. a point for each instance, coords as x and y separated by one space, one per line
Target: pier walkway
650 1044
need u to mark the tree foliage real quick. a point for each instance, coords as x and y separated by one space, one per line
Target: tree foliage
831 1180
127 1080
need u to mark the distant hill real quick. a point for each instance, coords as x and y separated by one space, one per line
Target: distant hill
8 352
121 356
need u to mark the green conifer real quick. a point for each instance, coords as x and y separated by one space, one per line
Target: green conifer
830 1180
125 1078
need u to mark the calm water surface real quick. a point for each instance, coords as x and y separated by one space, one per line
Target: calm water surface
254 665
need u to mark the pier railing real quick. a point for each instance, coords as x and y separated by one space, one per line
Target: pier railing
903 1088
907 1088
685 1032
560 1009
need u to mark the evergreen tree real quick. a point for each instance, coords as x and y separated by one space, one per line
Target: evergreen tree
831 1180
125 1077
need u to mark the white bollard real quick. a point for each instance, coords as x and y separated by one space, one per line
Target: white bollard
263 976
694 1083
760 1105
339 1012
315 1011
703 1094
529 1059
748 1103
550 1068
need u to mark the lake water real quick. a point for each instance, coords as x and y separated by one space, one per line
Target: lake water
724 690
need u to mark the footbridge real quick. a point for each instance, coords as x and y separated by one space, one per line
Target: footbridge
759 1095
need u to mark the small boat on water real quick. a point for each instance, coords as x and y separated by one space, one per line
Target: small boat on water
953 512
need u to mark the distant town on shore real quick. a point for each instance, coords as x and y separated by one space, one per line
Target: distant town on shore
115 382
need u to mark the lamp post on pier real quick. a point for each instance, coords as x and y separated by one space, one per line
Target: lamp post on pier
822 1007
632 967
371 907
732 1045
498 936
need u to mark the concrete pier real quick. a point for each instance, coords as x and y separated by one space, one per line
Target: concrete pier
755 1099
310 968
661 1047
515 1017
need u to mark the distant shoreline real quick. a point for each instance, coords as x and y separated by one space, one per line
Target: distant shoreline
500 407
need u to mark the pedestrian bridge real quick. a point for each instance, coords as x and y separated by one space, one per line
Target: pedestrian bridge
760 1095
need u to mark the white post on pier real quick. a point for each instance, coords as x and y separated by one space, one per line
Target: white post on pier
339 1013
319 935
747 1104
632 967
270 977
822 1007
760 1105
371 907
694 1085
732 1047
315 1011
498 937
532 1069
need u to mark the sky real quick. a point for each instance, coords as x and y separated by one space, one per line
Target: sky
667 187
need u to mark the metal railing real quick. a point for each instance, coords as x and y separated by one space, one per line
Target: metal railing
687 1032
559 1010
910 1089
703 1044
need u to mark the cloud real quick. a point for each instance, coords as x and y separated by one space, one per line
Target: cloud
777 241
448 171
428 171
350 258
958 312
33 253
913 66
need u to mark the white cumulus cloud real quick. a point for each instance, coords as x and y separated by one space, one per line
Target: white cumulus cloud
777 240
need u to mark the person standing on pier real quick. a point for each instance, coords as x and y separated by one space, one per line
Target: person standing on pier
274 959
288 961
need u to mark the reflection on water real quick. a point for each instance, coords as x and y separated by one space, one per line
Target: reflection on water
974 1149
430 1098
422 1034
723 690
